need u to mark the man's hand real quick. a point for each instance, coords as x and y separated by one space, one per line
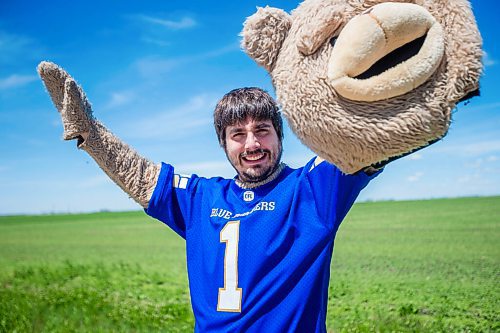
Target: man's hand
70 101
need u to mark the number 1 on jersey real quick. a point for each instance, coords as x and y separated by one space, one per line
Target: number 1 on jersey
230 296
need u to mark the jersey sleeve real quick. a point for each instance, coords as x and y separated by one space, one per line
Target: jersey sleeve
170 202
334 191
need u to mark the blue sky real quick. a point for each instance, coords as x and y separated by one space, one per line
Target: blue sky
153 71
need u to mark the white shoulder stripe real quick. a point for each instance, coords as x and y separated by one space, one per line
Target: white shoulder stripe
317 161
180 181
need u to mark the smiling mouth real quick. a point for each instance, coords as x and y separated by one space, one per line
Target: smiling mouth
255 156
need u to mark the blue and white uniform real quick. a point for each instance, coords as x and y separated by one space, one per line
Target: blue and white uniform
258 259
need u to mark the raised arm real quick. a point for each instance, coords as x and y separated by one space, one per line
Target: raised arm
136 175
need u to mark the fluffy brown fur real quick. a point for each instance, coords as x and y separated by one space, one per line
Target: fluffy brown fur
350 133
136 175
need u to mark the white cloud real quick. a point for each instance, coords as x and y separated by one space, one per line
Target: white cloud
16 80
298 160
195 113
465 179
183 23
119 98
157 30
473 148
476 164
154 66
93 182
483 147
414 157
207 168
13 46
484 165
468 178
415 177
155 41
488 60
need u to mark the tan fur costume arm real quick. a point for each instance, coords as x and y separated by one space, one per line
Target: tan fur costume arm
136 175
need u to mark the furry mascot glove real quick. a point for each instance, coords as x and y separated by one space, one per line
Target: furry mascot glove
135 175
364 82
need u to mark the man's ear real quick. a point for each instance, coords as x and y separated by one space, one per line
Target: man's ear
263 34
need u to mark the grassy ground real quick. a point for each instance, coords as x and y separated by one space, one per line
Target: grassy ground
419 266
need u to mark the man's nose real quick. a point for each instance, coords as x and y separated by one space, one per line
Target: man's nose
251 142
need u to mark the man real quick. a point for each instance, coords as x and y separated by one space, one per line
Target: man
258 246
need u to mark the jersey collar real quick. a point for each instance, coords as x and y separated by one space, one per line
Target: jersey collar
251 185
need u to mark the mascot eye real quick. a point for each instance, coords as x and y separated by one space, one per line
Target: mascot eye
333 40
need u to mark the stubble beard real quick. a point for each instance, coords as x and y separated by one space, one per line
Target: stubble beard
254 175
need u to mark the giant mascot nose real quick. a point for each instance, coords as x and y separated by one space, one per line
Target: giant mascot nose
408 33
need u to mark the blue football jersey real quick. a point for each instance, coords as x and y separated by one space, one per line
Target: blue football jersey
258 259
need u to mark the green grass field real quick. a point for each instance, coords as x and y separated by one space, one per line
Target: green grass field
412 266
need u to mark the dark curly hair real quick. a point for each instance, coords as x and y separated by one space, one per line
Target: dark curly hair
240 104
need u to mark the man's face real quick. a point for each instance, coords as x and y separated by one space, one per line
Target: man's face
253 149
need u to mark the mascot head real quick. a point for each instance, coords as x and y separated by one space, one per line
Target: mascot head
361 82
